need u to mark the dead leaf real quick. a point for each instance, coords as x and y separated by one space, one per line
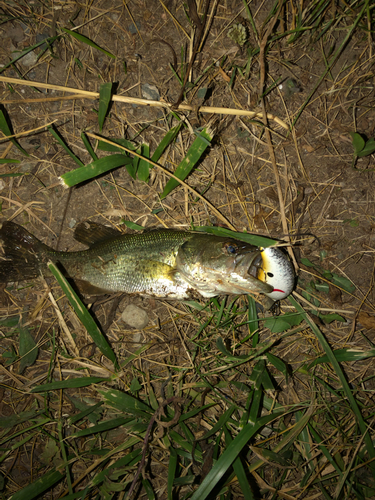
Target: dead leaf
335 294
224 75
366 320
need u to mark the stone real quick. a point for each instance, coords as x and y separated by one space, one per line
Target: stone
135 317
150 92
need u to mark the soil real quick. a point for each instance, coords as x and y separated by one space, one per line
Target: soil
324 196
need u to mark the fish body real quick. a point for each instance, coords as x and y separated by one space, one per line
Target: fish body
160 263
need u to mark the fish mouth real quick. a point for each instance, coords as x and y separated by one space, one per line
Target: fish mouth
248 264
255 265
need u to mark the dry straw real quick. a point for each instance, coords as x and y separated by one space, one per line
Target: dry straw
85 94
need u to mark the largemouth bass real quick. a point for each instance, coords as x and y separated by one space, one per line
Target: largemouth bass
161 263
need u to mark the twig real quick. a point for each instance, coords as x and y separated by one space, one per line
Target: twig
175 400
199 36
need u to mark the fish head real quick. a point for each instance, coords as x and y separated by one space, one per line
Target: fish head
215 265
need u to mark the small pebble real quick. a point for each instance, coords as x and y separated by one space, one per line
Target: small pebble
150 92
27 166
134 28
29 59
40 37
2 184
135 317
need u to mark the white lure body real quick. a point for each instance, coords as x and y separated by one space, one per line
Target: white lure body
278 271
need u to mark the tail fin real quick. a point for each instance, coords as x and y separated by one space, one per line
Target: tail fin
22 253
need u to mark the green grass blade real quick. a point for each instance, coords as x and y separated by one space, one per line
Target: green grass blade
278 324
126 403
348 392
144 166
88 146
148 488
239 470
38 487
272 458
192 413
253 323
83 314
290 437
129 459
252 239
165 142
229 456
279 364
105 96
132 225
13 174
92 412
95 168
8 160
87 41
324 450
105 146
9 422
25 430
62 143
220 423
172 467
73 383
191 159
105 426
368 149
28 349
347 354
7 130
49 41
251 19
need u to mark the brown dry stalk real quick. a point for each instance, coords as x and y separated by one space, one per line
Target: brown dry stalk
271 151
26 132
85 94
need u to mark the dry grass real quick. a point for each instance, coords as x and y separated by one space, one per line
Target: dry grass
255 406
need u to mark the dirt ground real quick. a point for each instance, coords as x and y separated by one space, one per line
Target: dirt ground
323 195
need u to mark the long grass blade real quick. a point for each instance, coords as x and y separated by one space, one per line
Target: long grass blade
252 239
87 41
200 144
5 127
105 96
62 143
83 314
73 383
239 470
229 456
94 169
37 488
165 142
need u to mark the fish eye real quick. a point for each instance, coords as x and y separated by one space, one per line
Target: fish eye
270 275
230 248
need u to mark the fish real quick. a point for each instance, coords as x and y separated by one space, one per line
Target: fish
161 263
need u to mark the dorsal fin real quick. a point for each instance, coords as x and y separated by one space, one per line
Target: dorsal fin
89 233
